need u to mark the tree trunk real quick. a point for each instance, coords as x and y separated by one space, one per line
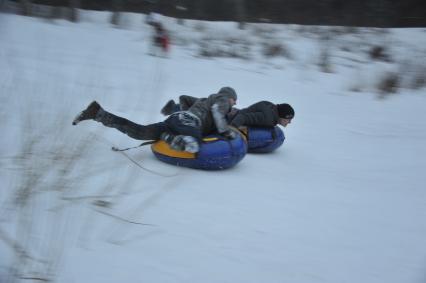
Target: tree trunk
74 6
55 12
180 11
240 11
116 8
199 9
25 7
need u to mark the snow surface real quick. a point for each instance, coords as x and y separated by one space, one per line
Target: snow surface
343 200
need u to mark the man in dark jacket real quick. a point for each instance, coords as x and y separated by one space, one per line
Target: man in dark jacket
260 114
183 130
263 114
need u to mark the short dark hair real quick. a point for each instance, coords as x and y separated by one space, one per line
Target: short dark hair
285 111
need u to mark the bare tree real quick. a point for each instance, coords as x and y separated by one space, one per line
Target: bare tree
240 11
74 6
25 7
116 9
180 11
56 12
199 9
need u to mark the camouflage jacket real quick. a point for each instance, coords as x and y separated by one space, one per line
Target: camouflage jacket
212 110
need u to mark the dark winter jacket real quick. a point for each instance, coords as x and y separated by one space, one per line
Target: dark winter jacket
212 110
186 101
260 114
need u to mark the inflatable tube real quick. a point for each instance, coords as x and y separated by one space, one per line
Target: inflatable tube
263 140
215 153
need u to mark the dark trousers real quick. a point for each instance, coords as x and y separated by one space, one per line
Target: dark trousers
180 123
175 124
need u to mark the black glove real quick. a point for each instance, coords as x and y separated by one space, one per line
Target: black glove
229 134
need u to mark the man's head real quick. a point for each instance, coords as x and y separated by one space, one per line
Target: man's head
231 93
286 113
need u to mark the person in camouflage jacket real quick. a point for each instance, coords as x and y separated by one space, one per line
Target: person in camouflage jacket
183 130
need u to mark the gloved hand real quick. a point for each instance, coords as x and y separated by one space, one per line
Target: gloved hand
185 143
243 130
191 144
167 137
175 142
178 143
229 134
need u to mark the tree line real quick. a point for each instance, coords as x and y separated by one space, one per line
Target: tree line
379 13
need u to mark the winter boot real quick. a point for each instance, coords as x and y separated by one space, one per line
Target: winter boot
87 114
170 108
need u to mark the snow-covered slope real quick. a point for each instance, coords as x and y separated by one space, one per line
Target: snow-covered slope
343 199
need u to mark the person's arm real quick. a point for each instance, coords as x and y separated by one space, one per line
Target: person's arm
219 110
260 114
186 101
232 114
250 119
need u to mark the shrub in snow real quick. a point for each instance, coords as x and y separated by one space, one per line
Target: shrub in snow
200 26
413 74
262 31
389 83
276 50
325 62
419 80
370 77
379 53
309 31
225 47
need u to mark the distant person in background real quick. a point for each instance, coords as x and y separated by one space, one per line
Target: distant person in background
260 114
160 38
152 18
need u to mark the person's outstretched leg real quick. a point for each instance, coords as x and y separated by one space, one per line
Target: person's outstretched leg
87 114
139 132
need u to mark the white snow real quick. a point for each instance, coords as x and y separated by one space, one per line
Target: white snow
343 199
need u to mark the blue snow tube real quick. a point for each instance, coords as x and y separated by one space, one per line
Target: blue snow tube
264 140
215 153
